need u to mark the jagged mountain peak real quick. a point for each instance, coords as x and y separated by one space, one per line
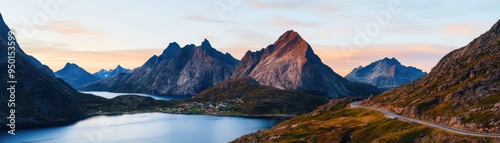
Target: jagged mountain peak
172 49
119 67
290 63
186 71
290 34
206 44
385 73
76 76
70 66
291 41
390 61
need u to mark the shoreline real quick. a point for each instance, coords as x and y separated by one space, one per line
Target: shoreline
131 113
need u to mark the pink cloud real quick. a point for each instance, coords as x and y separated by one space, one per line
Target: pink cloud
287 22
275 5
344 60
92 61
68 27
462 29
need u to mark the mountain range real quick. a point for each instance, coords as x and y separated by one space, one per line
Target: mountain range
461 91
290 63
75 76
111 72
385 74
177 71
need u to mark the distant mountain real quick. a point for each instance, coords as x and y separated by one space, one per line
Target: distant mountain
252 98
177 71
385 74
461 91
111 72
41 99
76 76
290 63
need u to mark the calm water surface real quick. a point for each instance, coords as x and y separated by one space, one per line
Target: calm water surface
110 95
144 128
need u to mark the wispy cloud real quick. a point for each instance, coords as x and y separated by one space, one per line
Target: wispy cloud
201 18
423 56
68 27
462 29
92 61
288 22
275 5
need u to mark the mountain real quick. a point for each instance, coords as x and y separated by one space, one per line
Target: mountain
336 122
111 72
177 71
290 63
251 98
40 65
40 98
461 91
385 74
75 76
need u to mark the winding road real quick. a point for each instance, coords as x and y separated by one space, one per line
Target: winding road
394 115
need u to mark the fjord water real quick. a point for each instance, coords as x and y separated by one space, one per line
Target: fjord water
110 95
145 127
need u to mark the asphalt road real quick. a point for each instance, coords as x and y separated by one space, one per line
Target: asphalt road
394 115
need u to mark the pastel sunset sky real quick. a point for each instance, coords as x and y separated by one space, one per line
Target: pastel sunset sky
97 34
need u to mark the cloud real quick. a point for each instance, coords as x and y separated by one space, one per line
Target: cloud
200 18
287 22
327 7
275 5
462 29
344 60
92 61
68 27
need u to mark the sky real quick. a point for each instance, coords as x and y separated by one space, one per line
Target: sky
97 34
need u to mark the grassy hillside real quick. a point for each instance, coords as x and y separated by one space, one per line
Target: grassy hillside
250 98
336 122
461 91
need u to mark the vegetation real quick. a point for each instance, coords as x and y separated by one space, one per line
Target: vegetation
236 97
251 98
340 123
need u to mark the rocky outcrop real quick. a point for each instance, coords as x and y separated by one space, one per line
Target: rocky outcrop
385 74
290 63
177 71
75 76
462 90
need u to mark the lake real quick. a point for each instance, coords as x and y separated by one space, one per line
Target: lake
110 95
144 128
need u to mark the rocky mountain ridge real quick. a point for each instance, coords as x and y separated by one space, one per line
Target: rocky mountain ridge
461 91
177 71
385 74
290 63
75 76
111 72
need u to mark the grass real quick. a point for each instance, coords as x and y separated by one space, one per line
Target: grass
336 123
481 117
